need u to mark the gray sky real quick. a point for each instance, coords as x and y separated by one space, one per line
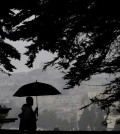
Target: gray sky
43 56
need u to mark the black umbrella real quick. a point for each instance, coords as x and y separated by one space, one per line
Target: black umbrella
36 89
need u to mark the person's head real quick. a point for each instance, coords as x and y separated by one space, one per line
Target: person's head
29 101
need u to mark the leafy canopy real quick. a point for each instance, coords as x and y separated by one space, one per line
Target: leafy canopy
83 33
7 51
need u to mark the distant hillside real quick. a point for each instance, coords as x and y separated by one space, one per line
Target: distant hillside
9 84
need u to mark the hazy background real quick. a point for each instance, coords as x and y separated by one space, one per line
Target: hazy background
62 105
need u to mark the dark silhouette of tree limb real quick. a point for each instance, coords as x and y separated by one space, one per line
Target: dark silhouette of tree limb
84 35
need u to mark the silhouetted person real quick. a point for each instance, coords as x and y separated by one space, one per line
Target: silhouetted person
28 116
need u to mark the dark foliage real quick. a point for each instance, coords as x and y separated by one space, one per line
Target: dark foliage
7 51
80 32
83 33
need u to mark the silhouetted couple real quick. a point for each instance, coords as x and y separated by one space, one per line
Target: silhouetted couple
28 116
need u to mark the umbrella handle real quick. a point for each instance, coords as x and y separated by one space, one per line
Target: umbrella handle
37 104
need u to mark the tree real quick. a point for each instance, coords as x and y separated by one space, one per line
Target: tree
7 51
84 35
98 122
83 122
78 26
48 119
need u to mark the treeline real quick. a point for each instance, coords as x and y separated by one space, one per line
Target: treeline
49 119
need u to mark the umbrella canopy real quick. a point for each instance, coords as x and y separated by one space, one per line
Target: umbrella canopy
36 89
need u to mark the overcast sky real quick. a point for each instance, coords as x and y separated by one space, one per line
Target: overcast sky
43 56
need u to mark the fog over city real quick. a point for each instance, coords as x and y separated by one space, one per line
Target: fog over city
64 107
59 66
60 105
